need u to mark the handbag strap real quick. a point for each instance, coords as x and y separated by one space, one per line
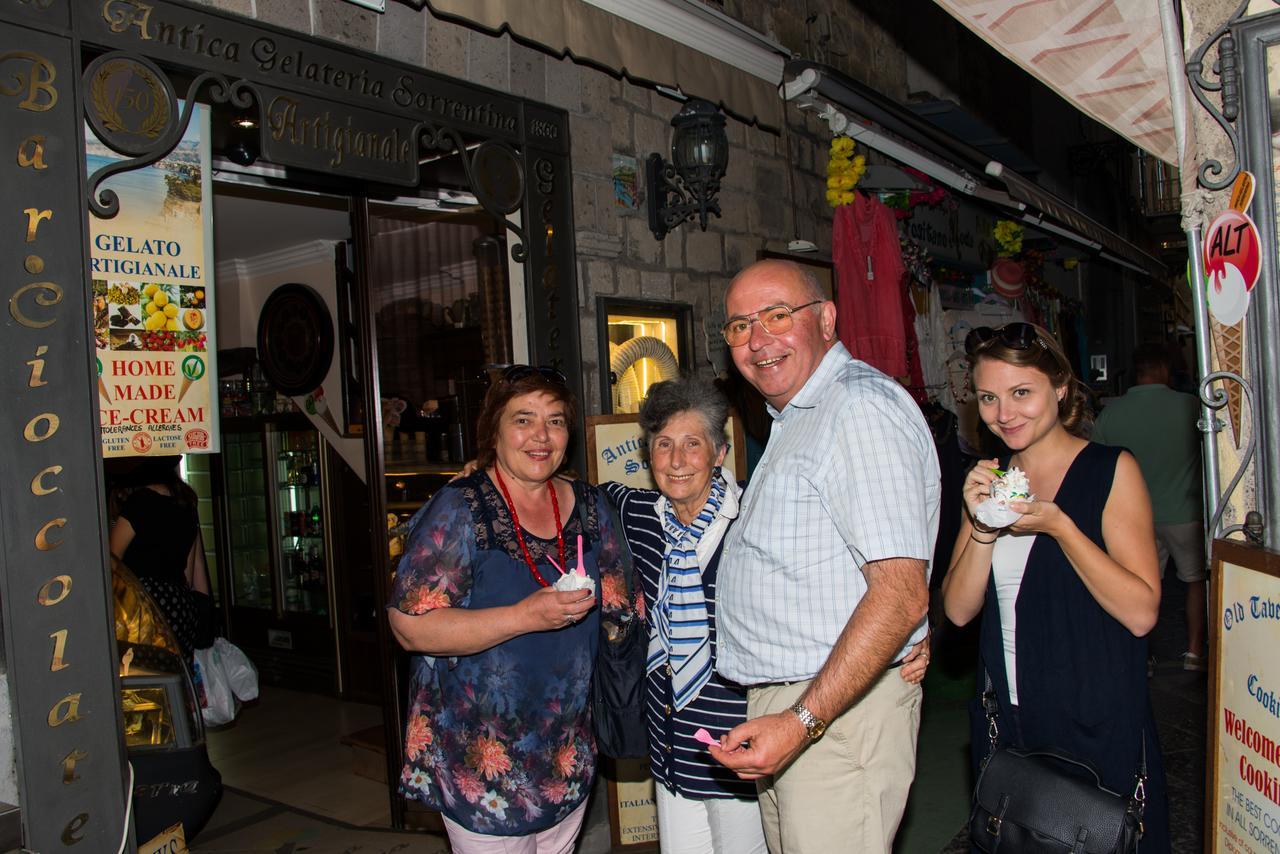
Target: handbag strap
991 709
580 494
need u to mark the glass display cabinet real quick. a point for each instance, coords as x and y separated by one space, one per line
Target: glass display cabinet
303 572
275 494
277 548
642 342
248 529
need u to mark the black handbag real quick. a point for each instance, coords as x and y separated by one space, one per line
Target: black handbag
1045 802
618 680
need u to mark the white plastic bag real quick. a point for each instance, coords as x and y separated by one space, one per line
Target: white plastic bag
219 703
239 670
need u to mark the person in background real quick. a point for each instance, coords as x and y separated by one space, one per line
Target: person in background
1158 426
1069 591
157 536
824 578
498 734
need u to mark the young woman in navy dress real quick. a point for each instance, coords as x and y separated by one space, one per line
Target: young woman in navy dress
1070 590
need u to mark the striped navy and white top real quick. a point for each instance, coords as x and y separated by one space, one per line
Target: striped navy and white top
677 761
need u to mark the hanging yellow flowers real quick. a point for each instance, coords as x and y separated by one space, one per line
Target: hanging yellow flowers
1008 235
844 171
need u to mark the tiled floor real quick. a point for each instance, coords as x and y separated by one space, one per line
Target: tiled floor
290 785
286 747
245 824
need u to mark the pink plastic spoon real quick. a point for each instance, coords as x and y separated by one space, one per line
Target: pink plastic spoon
580 570
705 737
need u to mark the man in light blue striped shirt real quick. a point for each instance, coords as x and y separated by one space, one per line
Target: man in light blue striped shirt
824 579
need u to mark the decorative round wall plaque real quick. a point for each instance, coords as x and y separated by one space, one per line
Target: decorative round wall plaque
295 339
499 178
129 102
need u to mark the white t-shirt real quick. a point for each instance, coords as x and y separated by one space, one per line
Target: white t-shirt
1009 563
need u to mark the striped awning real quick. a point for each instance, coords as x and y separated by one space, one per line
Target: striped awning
1106 57
678 44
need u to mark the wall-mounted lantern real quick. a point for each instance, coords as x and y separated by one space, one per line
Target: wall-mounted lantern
688 185
242 147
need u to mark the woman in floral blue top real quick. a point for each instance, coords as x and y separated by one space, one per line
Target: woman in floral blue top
498 734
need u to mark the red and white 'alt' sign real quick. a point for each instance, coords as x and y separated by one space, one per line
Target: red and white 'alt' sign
1232 256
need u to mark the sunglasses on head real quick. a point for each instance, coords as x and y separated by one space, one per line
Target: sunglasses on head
1015 336
515 373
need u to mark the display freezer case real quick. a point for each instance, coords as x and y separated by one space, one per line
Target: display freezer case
278 549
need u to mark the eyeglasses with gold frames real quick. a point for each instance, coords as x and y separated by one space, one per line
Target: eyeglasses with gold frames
774 319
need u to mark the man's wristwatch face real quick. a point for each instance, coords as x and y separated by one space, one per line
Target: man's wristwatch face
814 726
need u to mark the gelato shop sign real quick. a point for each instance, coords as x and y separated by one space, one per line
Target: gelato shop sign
314 134
275 62
153 303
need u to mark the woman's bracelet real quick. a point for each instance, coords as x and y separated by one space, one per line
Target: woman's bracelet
984 542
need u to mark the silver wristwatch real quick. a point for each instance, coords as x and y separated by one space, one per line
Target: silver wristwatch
814 726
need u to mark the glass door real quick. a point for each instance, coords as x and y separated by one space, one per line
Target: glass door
248 528
299 516
442 315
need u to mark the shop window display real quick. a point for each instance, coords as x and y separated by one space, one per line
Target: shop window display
643 343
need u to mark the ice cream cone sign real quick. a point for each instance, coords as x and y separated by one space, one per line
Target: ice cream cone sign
1232 256
192 371
315 404
102 386
1233 261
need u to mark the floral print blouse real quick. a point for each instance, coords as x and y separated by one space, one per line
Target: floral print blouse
501 741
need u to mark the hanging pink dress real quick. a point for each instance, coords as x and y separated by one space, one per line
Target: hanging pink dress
869 272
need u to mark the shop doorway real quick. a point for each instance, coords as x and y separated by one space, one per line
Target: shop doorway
294 543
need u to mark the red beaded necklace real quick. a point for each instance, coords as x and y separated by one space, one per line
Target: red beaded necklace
515 520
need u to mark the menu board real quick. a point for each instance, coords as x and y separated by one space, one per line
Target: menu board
151 266
1243 789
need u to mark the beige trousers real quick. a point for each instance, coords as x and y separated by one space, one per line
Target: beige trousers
848 790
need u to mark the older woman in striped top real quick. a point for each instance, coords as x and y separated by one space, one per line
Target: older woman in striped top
675 535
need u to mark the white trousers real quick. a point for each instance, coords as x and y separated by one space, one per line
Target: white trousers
713 826
557 839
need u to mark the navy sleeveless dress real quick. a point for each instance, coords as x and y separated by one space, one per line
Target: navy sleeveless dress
1081 675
